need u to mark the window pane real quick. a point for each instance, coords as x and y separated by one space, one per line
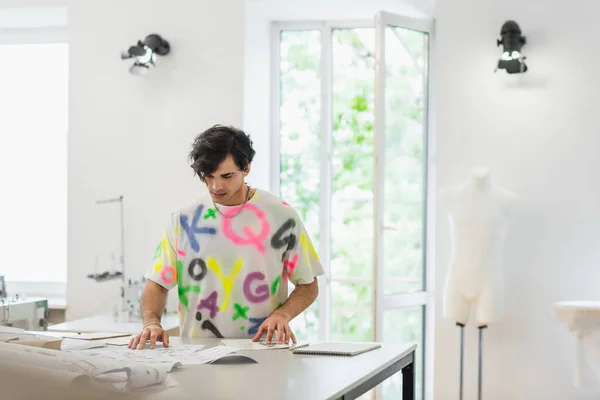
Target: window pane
403 250
300 69
405 157
404 325
352 294
352 169
33 160
306 325
349 324
351 317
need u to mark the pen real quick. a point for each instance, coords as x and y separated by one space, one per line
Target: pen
298 346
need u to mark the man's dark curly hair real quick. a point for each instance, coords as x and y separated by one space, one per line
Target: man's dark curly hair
213 145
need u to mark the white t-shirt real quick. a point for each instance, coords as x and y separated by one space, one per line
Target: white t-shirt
232 273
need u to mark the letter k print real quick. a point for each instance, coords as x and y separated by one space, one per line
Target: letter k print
193 229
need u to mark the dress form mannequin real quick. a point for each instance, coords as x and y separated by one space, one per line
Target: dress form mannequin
479 212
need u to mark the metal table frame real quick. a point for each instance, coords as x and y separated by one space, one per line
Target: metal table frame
405 364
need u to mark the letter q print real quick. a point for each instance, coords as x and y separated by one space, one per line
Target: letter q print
250 237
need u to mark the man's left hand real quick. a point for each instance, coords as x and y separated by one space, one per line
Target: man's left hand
279 322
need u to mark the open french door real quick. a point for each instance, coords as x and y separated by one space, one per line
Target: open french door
402 304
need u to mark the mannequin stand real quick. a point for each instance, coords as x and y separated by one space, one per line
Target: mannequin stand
480 360
462 349
481 328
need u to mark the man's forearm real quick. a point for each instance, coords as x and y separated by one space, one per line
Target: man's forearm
300 299
154 300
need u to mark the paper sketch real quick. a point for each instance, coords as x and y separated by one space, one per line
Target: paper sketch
170 356
75 345
164 358
123 376
248 344
213 354
123 341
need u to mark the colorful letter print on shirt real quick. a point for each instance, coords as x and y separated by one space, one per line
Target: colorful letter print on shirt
231 273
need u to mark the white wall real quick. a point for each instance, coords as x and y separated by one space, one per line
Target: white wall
131 135
539 134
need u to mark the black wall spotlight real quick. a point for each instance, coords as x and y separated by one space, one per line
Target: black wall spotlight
512 41
144 53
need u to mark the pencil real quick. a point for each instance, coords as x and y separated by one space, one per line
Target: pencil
298 346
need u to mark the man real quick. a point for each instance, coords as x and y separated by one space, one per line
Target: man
230 254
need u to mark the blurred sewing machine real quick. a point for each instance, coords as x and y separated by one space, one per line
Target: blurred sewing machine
25 313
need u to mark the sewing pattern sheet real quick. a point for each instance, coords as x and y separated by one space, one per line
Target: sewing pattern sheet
170 357
164 358
248 344
125 377
214 353
232 266
75 344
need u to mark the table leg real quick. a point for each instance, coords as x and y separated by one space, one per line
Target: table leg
406 365
408 382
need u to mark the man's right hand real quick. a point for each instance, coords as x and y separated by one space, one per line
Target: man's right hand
153 333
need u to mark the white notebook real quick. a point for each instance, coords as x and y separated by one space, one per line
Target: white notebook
337 348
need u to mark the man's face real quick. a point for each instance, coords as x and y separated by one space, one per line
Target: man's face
226 183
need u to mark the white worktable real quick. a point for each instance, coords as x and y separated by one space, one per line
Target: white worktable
280 374
107 323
